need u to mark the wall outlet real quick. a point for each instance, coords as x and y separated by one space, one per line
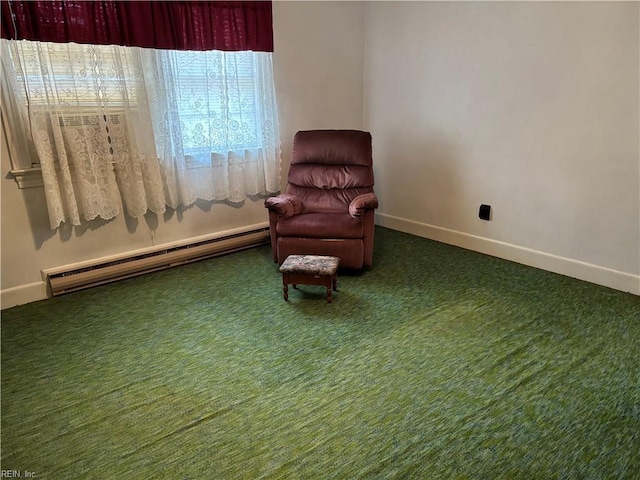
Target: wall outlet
485 212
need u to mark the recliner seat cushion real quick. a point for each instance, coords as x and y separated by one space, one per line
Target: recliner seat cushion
321 225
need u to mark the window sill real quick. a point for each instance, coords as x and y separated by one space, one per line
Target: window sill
28 177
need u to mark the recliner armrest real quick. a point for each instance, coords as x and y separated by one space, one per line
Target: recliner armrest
285 205
362 203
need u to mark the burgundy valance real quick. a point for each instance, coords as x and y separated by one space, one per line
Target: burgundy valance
175 25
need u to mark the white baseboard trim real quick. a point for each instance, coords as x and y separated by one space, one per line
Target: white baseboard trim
599 275
32 292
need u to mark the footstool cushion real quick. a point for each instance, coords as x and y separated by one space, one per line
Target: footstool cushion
310 270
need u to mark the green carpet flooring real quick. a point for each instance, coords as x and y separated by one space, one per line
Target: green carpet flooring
436 363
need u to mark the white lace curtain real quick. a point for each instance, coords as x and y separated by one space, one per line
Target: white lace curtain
142 128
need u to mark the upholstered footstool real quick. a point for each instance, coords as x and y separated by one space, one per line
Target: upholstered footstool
310 270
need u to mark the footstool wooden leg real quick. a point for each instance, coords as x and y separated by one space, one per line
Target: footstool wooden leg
285 289
328 283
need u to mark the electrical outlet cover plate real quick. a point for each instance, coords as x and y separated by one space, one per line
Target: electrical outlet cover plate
485 212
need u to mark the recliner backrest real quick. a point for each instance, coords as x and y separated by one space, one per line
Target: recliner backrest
329 168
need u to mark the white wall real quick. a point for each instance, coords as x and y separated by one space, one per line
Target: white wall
531 107
318 72
318 67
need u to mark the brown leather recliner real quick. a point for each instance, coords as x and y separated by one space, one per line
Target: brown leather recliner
328 205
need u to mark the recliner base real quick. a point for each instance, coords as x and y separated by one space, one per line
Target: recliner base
350 251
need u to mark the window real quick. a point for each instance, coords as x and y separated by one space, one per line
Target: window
155 127
216 119
72 75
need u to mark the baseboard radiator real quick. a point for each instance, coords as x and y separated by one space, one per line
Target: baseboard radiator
78 277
